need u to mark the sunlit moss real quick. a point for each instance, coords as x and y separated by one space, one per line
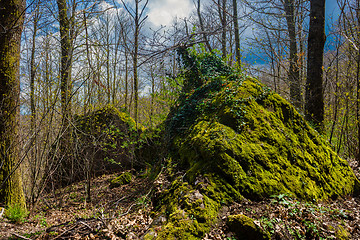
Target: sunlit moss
234 138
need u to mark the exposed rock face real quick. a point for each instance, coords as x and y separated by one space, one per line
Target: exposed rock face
234 138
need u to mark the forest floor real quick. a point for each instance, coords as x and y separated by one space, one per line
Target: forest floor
127 212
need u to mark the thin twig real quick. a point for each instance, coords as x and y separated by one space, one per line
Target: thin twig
20 236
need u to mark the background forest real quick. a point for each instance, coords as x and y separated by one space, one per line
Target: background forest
82 60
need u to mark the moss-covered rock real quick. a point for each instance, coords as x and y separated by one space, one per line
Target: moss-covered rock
124 178
103 141
106 137
245 228
262 146
234 138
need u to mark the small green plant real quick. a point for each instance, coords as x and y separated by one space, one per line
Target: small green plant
231 238
143 201
52 233
16 213
268 224
42 220
311 229
282 199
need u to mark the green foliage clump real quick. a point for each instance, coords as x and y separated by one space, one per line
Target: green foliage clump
204 75
244 227
124 178
16 213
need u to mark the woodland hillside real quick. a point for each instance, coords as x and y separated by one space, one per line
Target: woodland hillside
232 120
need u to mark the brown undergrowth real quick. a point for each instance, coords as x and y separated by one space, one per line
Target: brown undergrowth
127 212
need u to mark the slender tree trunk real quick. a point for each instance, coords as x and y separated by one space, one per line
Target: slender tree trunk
65 89
294 73
11 22
236 33
152 97
33 153
126 80
135 59
108 90
314 105
358 79
198 10
65 68
336 100
222 15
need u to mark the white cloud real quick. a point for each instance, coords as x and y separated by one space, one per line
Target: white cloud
163 12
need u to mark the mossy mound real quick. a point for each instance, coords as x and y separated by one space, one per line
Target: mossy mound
103 141
245 228
106 137
234 138
124 178
262 146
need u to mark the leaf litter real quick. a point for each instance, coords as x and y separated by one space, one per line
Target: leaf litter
127 212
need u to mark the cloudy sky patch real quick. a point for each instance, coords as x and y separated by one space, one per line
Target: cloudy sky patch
162 12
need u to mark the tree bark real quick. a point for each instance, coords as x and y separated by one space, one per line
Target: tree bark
314 105
11 22
65 89
65 68
222 15
294 73
135 59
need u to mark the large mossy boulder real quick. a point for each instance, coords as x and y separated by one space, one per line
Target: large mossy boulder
260 144
107 138
232 137
103 141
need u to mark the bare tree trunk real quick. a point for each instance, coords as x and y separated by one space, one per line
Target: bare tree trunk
358 79
202 26
11 23
33 153
126 80
135 59
294 73
336 93
222 16
65 87
236 33
314 105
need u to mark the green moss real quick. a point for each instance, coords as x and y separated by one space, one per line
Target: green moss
245 228
11 192
342 233
124 178
233 137
190 211
273 151
108 136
